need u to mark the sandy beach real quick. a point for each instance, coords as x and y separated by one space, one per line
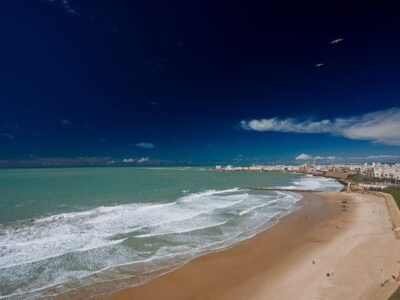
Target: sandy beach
337 246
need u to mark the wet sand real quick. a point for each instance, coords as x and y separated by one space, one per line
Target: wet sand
334 247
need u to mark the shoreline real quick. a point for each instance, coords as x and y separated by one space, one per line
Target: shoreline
264 266
107 281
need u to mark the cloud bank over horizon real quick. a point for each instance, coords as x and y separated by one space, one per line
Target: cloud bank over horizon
305 156
381 127
134 160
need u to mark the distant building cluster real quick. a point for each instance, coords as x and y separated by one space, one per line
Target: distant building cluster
379 170
373 170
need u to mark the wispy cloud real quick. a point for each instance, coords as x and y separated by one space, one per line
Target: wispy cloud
70 7
65 122
145 145
380 127
305 156
7 135
66 4
337 41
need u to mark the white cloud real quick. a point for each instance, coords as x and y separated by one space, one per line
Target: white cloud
287 125
305 156
133 160
142 160
128 160
380 127
145 145
7 135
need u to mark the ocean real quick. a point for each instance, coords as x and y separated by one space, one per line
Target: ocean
108 228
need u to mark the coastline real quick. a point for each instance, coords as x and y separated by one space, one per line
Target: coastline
101 224
350 243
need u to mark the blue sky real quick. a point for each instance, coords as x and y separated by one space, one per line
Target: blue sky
104 81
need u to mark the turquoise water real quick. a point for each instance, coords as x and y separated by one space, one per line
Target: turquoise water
68 228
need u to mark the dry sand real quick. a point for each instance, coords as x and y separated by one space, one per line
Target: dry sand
318 252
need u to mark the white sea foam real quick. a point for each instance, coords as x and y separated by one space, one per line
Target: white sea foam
309 182
60 234
190 229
